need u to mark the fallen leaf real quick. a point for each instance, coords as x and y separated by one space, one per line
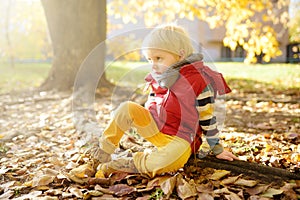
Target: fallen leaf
168 186
205 188
205 196
232 196
3 170
122 189
92 193
185 189
230 180
103 190
157 181
99 174
222 191
244 182
31 195
271 192
7 194
40 180
100 181
288 190
53 192
218 174
83 171
257 189
76 191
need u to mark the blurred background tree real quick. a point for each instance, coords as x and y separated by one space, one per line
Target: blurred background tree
25 37
248 23
294 25
23 30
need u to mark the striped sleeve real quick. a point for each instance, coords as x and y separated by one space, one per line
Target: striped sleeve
207 119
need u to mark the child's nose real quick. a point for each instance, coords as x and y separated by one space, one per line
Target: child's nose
154 66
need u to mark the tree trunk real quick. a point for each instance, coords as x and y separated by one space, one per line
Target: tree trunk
76 27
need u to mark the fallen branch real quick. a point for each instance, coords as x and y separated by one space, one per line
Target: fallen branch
254 170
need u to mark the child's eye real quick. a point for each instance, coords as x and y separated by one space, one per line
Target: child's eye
158 58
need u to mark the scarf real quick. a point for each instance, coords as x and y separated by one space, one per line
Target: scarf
170 76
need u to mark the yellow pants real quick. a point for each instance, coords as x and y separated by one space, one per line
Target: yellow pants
171 154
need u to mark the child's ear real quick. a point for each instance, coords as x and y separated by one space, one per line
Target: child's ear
181 54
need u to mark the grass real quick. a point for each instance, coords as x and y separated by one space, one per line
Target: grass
279 75
22 76
28 75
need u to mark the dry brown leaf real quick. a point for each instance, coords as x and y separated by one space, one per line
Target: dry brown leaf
218 174
53 192
50 172
271 192
42 187
222 191
122 189
289 192
247 183
205 188
257 189
103 190
3 170
40 180
157 181
230 180
32 195
205 196
185 189
83 171
100 181
232 196
76 192
168 186
92 193
7 194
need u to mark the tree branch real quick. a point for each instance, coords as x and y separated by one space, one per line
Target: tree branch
255 170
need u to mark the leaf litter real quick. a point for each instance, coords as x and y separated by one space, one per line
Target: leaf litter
41 159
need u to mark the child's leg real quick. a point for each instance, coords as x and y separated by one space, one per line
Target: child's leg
168 158
129 114
173 152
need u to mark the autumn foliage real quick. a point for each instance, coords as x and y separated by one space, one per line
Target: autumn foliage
250 24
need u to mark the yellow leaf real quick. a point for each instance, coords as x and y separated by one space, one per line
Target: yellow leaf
100 174
83 171
28 183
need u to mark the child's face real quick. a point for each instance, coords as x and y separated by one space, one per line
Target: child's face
160 59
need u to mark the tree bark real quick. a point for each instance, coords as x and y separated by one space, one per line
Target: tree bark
76 27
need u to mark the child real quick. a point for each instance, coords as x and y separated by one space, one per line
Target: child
179 109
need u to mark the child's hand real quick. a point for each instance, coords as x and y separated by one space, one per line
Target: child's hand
226 155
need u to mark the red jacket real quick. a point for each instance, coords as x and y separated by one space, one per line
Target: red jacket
174 109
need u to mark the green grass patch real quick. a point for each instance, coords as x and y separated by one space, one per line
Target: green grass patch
281 76
127 73
28 75
22 76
